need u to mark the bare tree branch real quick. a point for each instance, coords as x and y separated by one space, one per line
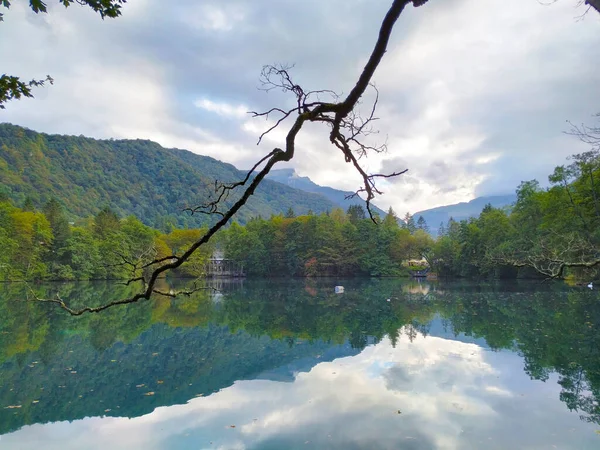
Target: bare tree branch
346 127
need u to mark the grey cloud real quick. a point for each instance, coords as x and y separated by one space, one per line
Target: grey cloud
462 81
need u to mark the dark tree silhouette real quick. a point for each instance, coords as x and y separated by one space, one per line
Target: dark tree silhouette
348 128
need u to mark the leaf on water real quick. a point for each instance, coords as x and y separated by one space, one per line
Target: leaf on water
35 401
199 395
73 371
107 410
160 381
139 385
231 426
154 354
113 360
12 407
399 412
149 393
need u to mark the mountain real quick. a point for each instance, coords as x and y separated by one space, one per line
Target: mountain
459 211
292 179
136 177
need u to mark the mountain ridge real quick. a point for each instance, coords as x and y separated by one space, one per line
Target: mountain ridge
290 177
463 210
138 177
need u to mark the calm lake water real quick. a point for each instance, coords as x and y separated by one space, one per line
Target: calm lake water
389 364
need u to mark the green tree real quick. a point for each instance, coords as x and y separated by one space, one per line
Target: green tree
290 214
422 224
356 213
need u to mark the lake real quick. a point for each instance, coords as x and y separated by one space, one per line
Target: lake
289 364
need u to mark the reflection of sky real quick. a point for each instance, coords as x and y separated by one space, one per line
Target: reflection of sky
431 394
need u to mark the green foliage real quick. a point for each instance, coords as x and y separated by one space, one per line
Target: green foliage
12 87
334 244
134 177
551 232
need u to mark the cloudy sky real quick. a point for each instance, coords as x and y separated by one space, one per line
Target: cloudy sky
473 95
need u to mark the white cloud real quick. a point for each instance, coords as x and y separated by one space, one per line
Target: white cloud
473 95
451 395
222 108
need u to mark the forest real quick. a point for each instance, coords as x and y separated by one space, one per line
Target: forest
549 233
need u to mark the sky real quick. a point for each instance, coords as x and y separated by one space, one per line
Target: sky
474 96
432 393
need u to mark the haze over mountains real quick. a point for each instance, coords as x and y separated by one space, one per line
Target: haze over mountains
464 210
153 183
292 179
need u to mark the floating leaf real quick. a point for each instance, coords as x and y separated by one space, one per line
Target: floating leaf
12 407
139 385
149 393
35 401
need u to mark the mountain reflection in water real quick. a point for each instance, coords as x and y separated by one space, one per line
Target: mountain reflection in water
289 364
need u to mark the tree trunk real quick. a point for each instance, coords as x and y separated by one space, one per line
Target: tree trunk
594 4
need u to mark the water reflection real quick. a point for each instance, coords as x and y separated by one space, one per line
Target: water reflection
430 379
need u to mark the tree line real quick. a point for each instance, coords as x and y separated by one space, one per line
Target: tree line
551 232
43 244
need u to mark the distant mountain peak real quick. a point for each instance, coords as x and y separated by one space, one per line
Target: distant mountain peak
290 177
463 210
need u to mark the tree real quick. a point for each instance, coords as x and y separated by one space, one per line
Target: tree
106 222
409 223
391 219
290 214
58 222
356 213
347 129
441 229
422 224
12 87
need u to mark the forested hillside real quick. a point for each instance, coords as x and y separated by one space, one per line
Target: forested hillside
136 177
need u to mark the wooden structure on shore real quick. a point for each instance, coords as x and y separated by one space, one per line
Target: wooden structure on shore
217 266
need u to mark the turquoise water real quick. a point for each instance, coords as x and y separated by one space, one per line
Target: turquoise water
290 364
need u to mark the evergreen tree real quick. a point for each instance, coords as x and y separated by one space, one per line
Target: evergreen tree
106 222
391 219
290 214
58 222
422 224
441 230
409 223
356 213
